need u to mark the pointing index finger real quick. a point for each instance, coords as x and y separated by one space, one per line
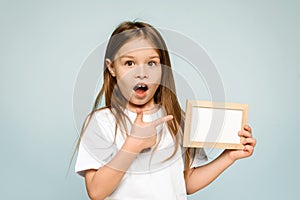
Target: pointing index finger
162 120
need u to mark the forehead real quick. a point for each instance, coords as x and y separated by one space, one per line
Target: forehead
136 47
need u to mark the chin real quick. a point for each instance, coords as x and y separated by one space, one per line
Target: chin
141 102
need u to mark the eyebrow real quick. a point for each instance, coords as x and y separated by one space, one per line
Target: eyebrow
128 56
154 57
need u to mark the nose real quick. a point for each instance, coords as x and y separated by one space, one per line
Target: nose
141 72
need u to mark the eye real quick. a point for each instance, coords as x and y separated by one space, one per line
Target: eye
129 63
152 63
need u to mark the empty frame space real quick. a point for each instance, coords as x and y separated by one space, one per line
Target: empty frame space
214 124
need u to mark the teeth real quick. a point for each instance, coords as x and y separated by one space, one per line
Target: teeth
142 86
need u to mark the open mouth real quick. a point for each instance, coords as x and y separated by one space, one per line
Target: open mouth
140 88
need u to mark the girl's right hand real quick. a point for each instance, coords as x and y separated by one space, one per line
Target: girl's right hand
143 134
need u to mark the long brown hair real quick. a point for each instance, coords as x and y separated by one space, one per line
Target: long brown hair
165 94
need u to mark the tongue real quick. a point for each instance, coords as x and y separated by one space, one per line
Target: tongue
139 91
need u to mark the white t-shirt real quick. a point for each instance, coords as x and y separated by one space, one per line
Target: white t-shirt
148 178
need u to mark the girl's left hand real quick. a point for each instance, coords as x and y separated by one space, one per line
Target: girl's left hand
249 143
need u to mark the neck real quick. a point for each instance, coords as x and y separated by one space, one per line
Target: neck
147 109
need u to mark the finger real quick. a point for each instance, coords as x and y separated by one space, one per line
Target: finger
162 120
248 128
139 116
144 132
249 149
246 134
249 141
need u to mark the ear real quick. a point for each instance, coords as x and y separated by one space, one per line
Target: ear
110 67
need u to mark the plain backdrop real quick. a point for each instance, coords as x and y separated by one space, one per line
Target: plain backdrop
254 45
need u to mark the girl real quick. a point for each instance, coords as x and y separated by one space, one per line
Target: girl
131 148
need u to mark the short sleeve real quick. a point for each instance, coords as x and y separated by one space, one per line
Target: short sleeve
97 145
200 158
85 161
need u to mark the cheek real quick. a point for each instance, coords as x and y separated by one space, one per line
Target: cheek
125 89
125 82
155 75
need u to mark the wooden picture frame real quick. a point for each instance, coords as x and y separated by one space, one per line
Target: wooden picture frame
214 124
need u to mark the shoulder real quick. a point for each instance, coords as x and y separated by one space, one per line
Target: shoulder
100 122
99 127
103 116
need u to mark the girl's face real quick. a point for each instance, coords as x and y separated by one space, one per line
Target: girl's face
138 72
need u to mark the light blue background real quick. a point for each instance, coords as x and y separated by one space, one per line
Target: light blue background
254 44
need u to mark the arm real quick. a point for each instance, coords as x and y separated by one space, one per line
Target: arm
102 182
198 178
